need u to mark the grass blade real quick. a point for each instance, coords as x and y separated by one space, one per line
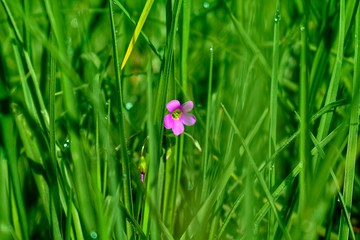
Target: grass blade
139 25
352 137
7 125
304 152
273 111
206 155
334 83
125 163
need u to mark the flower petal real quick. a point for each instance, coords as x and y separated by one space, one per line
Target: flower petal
168 121
188 119
178 127
188 106
173 105
142 177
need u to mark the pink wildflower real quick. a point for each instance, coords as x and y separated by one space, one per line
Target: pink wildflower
142 176
179 116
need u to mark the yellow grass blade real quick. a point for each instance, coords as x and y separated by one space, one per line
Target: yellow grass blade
137 31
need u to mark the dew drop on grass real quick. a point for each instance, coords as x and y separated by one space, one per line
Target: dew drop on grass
271 167
93 235
67 144
277 16
211 49
129 105
206 4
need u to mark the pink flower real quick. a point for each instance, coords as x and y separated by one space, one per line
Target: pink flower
142 176
178 116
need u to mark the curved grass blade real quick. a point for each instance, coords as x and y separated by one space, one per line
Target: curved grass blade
137 31
147 40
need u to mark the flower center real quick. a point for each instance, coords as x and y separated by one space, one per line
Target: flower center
176 114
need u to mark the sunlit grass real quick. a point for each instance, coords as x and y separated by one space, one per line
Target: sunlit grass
272 155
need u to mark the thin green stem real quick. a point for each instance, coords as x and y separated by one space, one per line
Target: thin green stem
170 169
273 110
304 130
150 219
185 44
206 156
125 162
178 162
54 192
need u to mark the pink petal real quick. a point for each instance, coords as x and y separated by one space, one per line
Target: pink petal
173 105
188 119
142 176
186 107
168 121
178 127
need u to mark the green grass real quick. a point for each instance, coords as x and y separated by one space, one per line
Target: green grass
84 87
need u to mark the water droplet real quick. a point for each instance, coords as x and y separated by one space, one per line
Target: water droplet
206 4
129 105
114 3
93 235
302 28
106 117
67 143
211 49
277 16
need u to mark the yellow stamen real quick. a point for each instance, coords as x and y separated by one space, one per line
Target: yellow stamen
176 114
